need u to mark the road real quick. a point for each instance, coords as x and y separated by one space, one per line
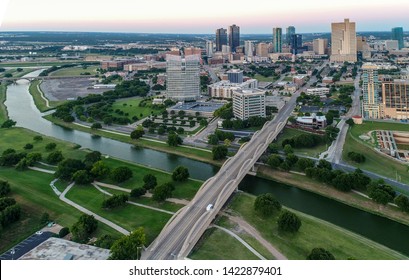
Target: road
185 228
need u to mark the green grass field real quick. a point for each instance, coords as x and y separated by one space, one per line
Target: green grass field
129 217
3 109
313 233
218 245
291 132
75 71
131 107
288 79
375 162
39 101
15 73
32 191
261 78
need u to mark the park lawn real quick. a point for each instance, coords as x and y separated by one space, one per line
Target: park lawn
288 79
374 162
131 107
3 109
32 192
39 101
75 71
218 245
367 126
292 132
16 138
313 233
129 216
261 78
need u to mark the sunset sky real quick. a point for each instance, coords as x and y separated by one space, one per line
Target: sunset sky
190 16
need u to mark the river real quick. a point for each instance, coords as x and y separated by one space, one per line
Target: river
21 108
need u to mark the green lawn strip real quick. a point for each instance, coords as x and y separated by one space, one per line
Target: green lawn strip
313 233
32 191
261 78
61 185
290 133
75 71
3 109
374 162
189 152
129 217
38 64
39 101
131 107
218 245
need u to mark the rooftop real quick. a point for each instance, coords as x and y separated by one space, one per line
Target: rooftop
198 106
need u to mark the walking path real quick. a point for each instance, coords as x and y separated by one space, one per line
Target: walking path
47 103
41 170
134 203
57 192
241 241
88 212
254 233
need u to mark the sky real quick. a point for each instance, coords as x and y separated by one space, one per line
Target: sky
199 16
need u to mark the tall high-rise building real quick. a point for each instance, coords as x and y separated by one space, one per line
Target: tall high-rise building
296 43
343 42
262 49
290 31
395 99
221 38
320 46
248 48
277 39
209 48
397 34
183 77
370 88
234 37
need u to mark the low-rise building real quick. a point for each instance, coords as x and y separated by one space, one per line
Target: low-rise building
249 103
312 121
224 89
321 92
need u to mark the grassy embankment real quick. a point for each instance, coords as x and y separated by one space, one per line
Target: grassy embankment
290 133
313 233
32 190
3 109
131 107
375 162
189 152
40 99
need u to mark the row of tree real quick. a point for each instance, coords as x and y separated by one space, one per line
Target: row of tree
10 211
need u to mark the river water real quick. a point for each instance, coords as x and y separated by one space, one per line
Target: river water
394 235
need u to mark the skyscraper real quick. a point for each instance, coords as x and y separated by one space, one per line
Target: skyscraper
209 48
397 34
248 48
234 37
320 46
221 38
277 39
343 42
290 31
296 43
183 77
370 87
262 50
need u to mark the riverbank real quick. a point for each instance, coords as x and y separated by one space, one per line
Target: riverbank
3 109
350 198
185 151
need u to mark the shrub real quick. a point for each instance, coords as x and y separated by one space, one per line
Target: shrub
320 254
288 221
267 205
180 174
121 174
63 232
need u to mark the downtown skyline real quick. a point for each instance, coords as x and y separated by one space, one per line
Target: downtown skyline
165 17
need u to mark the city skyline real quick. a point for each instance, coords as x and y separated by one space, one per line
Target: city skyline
165 17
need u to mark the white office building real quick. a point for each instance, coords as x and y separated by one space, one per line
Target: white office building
249 103
224 89
183 77
209 48
321 92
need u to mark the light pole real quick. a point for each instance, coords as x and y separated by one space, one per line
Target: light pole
12 252
137 252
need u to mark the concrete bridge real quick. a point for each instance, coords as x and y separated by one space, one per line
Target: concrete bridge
182 232
30 79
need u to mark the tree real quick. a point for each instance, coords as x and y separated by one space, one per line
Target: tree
100 170
274 161
68 118
343 182
22 165
96 125
4 188
63 232
55 157
10 215
38 138
114 201
121 174
324 164
68 167
50 146
28 146
6 202
320 254
381 193
82 177
219 152
213 139
266 205
180 174
33 158
137 133
129 247
83 228
91 158
180 130
45 218
291 159
150 181
273 148
174 140
162 192
357 157
403 202
350 122
288 149
304 163
137 192
8 123
288 221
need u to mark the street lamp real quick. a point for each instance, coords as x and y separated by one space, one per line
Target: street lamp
137 252
12 252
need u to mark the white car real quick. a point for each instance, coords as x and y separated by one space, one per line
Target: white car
209 207
39 232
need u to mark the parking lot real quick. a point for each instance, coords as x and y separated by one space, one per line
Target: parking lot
61 89
25 246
